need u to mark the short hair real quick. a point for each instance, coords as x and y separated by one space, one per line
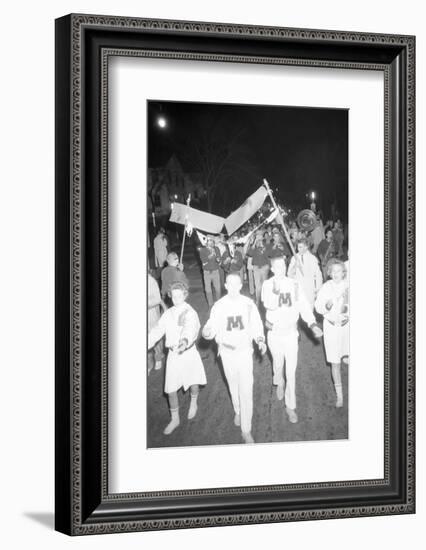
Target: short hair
234 274
171 256
331 263
178 285
302 240
276 258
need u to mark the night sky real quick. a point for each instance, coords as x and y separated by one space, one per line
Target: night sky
297 149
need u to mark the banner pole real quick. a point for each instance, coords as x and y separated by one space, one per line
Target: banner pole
188 200
287 236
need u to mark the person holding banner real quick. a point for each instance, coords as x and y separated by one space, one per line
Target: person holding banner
210 261
234 323
304 268
285 301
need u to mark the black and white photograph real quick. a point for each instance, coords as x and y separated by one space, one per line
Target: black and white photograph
248 274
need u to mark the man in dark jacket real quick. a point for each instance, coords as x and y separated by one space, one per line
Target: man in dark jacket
210 260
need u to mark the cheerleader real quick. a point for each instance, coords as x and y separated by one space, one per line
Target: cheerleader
184 367
333 303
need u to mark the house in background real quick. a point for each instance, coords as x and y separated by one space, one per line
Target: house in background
171 183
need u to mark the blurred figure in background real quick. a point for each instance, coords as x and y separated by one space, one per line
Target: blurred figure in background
160 248
156 355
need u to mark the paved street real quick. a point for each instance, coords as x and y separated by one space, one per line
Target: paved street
213 425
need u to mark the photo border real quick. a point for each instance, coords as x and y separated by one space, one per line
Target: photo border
84 43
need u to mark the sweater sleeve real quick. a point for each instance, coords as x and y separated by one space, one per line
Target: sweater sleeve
154 298
256 325
191 327
158 331
211 328
322 299
304 307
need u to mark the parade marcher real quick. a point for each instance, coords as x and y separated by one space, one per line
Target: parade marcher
294 232
250 275
172 273
278 246
232 259
219 242
333 303
235 322
184 368
160 247
338 237
260 262
155 356
267 237
305 269
326 251
285 301
317 234
210 260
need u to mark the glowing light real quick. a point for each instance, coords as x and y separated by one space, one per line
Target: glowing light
313 195
162 122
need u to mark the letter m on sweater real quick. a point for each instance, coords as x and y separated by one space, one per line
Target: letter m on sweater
235 323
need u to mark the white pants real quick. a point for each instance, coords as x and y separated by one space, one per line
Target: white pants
238 368
283 347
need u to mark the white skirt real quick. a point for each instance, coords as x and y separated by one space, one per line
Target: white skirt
184 370
336 341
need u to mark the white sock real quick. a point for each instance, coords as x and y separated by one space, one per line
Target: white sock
247 437
292 415
339 395
174 422
193 407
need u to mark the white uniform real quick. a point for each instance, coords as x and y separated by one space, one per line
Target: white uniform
182 369
235 323
311 280
336 319
284 301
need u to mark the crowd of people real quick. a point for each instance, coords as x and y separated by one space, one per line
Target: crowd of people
259 285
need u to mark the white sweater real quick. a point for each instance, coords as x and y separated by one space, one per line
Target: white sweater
285 300
177 323
234 323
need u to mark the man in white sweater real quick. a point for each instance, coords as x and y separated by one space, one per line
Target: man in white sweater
285 301
235 322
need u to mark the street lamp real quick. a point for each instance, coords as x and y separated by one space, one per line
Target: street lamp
162 122
313 205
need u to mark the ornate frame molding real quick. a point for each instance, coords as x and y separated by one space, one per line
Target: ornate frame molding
72 45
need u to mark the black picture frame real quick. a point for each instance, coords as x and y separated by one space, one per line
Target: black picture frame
83 45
